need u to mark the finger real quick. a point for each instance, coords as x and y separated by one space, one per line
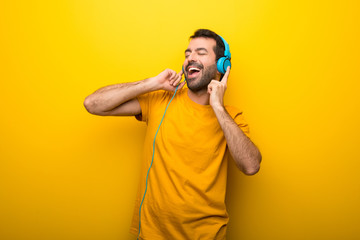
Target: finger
226 76
180 74
209 90
169 73
172 77
181 85
177 80
213 85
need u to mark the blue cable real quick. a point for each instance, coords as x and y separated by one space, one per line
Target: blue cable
152 159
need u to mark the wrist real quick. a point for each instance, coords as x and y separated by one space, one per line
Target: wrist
151 85
218 107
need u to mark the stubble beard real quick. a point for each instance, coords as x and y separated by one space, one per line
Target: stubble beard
209 74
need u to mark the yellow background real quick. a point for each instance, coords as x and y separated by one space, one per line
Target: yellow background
66 174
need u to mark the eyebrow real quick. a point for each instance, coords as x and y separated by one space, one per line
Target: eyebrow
198 49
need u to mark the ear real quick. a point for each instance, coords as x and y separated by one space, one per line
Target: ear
218 76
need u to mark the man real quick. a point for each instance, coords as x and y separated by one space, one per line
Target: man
186 184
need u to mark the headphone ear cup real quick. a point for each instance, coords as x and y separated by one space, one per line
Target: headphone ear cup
226 64
222 64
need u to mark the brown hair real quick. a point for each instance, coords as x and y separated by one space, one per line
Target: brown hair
219 48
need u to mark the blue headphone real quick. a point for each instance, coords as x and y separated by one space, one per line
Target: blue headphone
224 62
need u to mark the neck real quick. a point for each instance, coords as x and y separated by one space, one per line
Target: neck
200 97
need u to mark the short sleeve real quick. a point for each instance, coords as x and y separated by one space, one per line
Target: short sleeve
148 101
239 119
144 105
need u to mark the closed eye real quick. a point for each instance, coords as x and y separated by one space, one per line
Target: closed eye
199 51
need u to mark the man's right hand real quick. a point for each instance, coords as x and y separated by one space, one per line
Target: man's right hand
168 80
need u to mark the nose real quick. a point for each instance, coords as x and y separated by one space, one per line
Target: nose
192 57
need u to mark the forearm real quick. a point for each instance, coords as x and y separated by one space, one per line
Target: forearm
110 97
246 155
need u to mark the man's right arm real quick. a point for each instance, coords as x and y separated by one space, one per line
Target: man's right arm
120 99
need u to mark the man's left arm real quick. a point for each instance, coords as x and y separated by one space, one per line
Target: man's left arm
246 155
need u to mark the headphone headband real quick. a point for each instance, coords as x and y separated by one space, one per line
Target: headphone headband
224 62
227 48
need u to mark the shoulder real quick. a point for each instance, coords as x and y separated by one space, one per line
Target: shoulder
239 119
155 96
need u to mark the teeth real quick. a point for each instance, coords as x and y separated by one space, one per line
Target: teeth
192 68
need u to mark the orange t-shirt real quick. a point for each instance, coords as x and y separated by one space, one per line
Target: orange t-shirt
186 189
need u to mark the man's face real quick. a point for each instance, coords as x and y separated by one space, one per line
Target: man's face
199 65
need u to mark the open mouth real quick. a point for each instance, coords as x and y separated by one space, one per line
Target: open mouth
193 72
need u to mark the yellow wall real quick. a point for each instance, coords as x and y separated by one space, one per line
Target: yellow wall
66 174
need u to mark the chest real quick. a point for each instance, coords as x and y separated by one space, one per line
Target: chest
184 126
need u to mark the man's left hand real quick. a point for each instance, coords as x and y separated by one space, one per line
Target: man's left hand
217 89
